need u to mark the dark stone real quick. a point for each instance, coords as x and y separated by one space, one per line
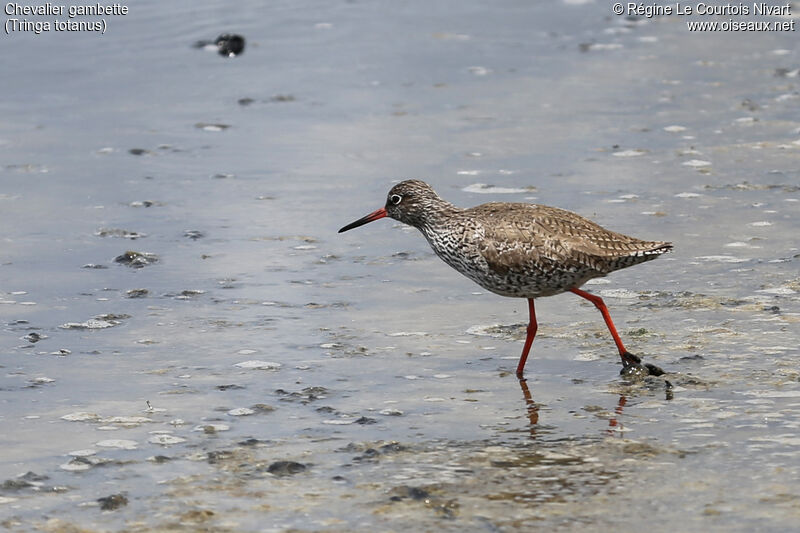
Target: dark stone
416 493
194 234
110 503
16 484
230 44
229 387
136 259
33 337
217 456
393 447
251 442
285 468
136 293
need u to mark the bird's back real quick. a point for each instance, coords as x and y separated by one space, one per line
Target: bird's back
531 250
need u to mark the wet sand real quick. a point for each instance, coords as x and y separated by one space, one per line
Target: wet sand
248 369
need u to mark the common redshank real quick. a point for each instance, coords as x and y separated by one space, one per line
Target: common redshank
521 250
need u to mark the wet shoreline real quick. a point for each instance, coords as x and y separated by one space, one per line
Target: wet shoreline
189 345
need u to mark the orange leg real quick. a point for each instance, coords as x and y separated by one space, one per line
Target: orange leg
627 357
532 327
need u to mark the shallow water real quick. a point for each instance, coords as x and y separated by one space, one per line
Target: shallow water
386 375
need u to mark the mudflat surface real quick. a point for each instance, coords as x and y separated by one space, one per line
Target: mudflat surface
188 344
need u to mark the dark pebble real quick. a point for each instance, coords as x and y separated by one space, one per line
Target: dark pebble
654 370
229 387
138 151
136 259
33 476
33 337
416 493
136 293
251 442
112 316
110 503
117 232
217 456
393 447
15 484
194 234
230 44
285 468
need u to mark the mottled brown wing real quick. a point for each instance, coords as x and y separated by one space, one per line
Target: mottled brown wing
522 237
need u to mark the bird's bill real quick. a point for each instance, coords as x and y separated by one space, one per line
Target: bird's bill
375 215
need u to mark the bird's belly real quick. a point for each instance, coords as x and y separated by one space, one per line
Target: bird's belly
529 284
523 283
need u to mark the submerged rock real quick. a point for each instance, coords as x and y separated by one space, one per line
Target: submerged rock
230 44
227 44
112 502
107 320
92 323
144 203
136 259
117 232
34 337
136 293
285 468
194 234
77 464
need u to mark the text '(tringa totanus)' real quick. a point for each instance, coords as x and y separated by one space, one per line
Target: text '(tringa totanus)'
520 250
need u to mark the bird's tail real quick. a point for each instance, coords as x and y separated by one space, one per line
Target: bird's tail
646 252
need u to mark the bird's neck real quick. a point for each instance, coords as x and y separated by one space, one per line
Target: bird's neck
437 215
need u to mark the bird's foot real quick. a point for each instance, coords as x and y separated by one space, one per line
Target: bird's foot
632 367
629 359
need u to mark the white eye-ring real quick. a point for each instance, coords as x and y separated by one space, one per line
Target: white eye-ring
395 199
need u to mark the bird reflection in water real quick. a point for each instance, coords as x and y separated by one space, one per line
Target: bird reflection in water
614 422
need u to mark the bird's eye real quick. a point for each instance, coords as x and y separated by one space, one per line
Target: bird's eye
395 199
